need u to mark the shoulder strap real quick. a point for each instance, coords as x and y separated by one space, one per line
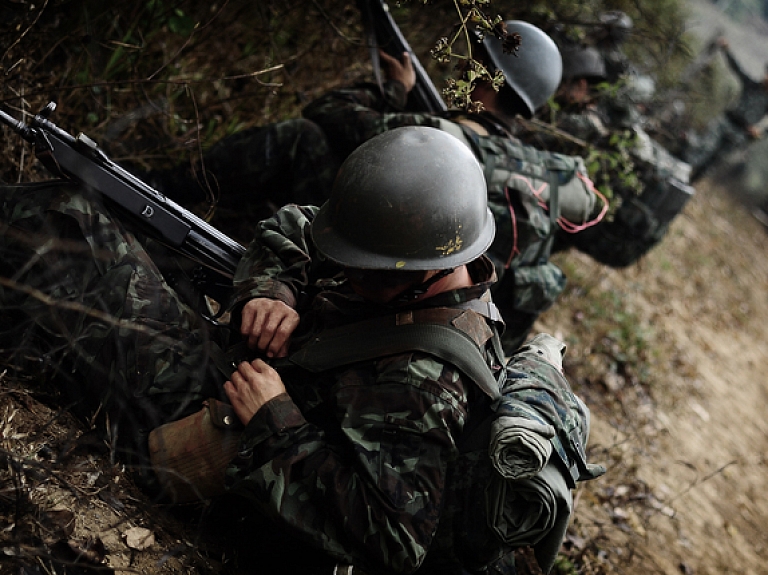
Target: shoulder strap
454 335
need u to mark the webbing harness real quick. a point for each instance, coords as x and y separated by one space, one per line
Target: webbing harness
454 334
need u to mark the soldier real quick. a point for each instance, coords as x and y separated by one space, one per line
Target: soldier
583 120
578 112
248 175
522 182
631 88
362 439
736 127
613 31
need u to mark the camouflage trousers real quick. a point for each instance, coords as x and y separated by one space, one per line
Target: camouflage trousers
83 305
248 175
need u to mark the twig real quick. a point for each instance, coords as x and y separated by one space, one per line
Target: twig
24 33
701 480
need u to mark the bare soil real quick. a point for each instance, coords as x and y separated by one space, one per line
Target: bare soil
685 442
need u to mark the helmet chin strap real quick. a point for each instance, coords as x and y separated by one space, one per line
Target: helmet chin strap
415 292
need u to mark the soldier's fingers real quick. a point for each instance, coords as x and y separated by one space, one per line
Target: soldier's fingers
232 390
386 58
283 351
257 328
236 379
252 317
281 333
269 328
260 366
246 319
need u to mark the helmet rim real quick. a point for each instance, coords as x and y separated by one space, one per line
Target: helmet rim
411 198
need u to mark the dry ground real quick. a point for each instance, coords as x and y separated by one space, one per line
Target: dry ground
686 441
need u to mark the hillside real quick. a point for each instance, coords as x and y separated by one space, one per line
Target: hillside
685 435
683 432
668 353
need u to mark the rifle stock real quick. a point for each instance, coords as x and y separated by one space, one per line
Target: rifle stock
79 159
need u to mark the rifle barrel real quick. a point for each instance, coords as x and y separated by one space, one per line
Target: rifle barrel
17 126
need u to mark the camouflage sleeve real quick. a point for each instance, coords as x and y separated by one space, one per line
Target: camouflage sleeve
280 258
368 492
351 116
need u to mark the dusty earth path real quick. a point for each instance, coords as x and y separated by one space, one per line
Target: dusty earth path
685 490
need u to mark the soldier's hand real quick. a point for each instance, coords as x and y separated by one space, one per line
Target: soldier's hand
268 325
251 386
753 132
722 42
548 348
400 70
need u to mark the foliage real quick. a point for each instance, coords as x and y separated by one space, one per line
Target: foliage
147 79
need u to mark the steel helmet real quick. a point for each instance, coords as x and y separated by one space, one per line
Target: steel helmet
582 62
535 70
411 199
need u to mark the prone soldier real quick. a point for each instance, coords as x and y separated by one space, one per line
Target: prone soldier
351 438
736 127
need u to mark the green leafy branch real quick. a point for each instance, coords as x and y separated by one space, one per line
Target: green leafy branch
474 23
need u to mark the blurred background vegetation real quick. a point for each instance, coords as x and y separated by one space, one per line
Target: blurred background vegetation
157 81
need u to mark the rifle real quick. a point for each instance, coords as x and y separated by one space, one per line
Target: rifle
382 31
79 159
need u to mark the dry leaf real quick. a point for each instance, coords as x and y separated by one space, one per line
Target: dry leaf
139 538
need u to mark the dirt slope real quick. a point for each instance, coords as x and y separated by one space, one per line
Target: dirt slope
686 453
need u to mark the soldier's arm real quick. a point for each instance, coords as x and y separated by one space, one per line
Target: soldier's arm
370 494
736 67
351 116
279 261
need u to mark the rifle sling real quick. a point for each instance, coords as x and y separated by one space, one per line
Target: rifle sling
446 333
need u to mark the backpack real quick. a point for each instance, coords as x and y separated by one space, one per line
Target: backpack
459 335
531 193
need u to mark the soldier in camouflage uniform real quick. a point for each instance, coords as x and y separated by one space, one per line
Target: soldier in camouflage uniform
531 193
630 88
248 175
583 120
374 462
736 127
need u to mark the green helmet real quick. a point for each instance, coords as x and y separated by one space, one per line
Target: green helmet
410 199
535 70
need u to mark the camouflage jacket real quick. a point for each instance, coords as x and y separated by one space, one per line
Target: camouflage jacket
522 182
354 461
364 461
